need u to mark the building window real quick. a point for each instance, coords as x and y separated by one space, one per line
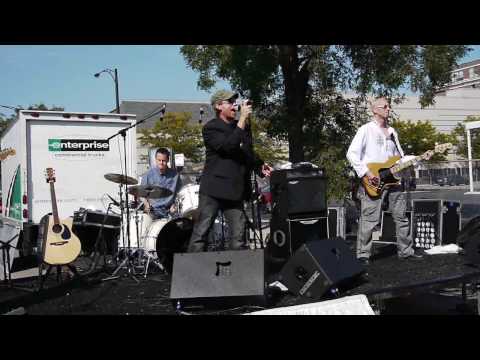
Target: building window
458 76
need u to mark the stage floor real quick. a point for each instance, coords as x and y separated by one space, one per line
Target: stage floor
399 284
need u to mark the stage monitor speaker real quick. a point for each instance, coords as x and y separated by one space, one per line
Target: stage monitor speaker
318 267
218 278
299 192
469 239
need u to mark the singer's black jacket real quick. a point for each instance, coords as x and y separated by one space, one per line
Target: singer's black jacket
229 160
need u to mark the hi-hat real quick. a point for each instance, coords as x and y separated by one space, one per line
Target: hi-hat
121 179
149 191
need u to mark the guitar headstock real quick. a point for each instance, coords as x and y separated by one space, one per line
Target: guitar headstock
50 175
438 149
443 147
7 152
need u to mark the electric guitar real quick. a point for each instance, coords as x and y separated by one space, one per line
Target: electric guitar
6 153
388 171
60 245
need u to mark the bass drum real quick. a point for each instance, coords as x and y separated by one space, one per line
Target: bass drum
172 237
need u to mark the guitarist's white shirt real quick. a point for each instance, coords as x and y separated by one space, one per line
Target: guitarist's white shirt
371 145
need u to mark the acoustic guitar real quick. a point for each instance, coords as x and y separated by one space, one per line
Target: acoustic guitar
388 171
60 245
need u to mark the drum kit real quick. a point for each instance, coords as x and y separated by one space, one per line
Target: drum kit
154 241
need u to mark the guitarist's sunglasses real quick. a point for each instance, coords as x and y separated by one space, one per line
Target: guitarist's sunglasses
384 107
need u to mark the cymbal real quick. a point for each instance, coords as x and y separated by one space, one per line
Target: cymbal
149 191
121 179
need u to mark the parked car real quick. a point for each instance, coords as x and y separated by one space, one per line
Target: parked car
451 180
457 179
440 180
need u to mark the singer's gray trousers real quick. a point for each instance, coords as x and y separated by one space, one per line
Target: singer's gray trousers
234 216
370 213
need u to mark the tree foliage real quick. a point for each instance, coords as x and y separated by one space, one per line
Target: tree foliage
420 136
176 132
270 149
460 133
5 120
300 88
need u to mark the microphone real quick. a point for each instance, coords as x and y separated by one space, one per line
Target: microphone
115 202
239 106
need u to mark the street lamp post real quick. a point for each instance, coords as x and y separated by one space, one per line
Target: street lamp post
114 75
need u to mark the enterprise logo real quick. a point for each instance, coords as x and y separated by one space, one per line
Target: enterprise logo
78 145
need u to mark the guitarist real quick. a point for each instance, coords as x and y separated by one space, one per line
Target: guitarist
376 142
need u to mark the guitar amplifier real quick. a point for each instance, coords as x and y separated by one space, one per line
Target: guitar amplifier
85 217
387 227
299 193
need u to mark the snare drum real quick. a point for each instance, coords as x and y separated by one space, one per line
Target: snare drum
187 200
144 220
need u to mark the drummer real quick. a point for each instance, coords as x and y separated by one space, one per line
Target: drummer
165 177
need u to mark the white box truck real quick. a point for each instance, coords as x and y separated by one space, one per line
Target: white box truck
75 146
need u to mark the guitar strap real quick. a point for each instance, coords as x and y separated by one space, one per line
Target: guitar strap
395 141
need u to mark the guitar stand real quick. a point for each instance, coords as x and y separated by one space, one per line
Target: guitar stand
42 277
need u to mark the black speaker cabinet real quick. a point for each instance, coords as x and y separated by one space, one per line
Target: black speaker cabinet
318 266
451 221
218 278
388 229
287 235
299 192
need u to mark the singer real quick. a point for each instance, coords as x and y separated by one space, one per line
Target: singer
225 180
375 142
164 177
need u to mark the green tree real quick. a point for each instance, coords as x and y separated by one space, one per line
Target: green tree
420 136
43 107
299 87
176 132
460 133
269 149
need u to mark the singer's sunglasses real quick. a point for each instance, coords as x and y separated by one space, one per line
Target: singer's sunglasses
384 107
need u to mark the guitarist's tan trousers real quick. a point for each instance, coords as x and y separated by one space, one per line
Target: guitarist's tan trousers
370 213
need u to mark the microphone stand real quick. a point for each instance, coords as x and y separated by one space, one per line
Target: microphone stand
255 209
128 258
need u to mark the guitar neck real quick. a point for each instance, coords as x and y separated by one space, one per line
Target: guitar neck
402 166
56 219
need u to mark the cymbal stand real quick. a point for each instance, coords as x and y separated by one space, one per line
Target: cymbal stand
128 261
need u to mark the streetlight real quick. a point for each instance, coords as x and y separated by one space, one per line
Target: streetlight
114 75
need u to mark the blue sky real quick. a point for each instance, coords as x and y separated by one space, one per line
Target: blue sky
62 75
